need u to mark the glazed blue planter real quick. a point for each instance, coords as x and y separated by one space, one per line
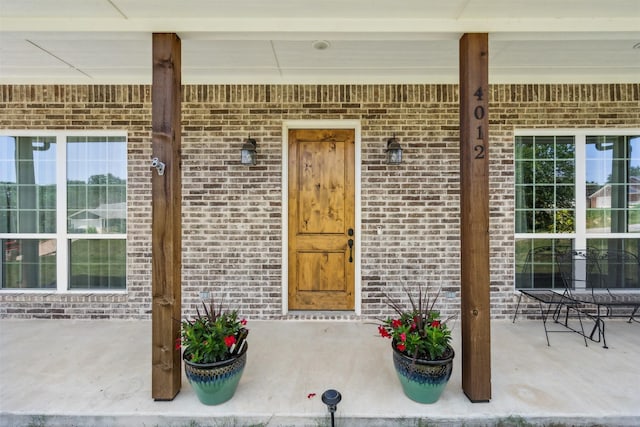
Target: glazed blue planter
215 383
423 380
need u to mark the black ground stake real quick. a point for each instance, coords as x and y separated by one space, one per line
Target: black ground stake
331 398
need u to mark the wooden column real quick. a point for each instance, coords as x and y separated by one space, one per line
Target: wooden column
474 216
166 230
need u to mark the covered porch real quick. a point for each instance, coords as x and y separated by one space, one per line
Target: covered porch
62 373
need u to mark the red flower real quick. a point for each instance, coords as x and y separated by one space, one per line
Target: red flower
383 332
401 347
178 344
403 337
230 340
243 322
396 323
435 323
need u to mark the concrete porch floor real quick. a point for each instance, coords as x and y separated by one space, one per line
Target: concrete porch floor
98 373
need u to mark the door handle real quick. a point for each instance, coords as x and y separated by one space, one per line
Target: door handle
350 233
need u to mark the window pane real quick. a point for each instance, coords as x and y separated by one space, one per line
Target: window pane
524 147
8 207
28 263
611 182
544 147
536 265
544 196
524 172
524 221
620 268
565 171
565 221
96 185
27 184
544 221
565 196
525 197
565 148
544 172
97 264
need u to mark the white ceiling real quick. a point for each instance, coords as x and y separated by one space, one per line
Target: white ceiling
270 41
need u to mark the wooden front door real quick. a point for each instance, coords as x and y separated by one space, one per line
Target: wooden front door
321 219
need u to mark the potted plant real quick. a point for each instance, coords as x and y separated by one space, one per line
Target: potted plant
420 340
214 352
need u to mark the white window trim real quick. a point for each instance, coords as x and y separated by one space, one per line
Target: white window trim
62 236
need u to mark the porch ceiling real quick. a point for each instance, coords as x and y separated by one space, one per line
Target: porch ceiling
371 41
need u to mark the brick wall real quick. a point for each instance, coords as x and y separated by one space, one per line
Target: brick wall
232 214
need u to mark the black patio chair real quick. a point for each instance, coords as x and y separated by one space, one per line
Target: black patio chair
619 270
579 269
550 301
587 275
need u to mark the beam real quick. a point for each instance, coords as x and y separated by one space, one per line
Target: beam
474 216
166 251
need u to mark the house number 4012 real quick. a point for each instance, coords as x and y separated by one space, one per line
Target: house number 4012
479 113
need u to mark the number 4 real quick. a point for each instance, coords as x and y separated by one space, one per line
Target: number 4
478 94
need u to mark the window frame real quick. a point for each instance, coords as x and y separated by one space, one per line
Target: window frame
580 234
62 236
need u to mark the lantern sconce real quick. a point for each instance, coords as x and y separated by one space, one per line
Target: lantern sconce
394 151
248 155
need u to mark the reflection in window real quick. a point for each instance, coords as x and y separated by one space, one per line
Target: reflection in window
27 185
97 264
613 184
96 185
28 206
621 268
545 201
28 263
536 262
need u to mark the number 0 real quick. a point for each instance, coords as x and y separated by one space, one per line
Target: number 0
478 112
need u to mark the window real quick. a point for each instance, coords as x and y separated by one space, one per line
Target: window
63 211
574 190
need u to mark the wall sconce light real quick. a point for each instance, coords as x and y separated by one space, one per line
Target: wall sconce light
248 155
394 151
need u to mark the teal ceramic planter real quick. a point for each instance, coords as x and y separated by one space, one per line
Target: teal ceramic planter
423 380
215 383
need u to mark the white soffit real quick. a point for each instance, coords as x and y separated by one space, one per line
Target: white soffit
255 41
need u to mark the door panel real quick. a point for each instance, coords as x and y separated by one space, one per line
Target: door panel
320 271
321 213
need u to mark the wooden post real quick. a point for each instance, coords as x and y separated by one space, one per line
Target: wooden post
474 216
166 230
